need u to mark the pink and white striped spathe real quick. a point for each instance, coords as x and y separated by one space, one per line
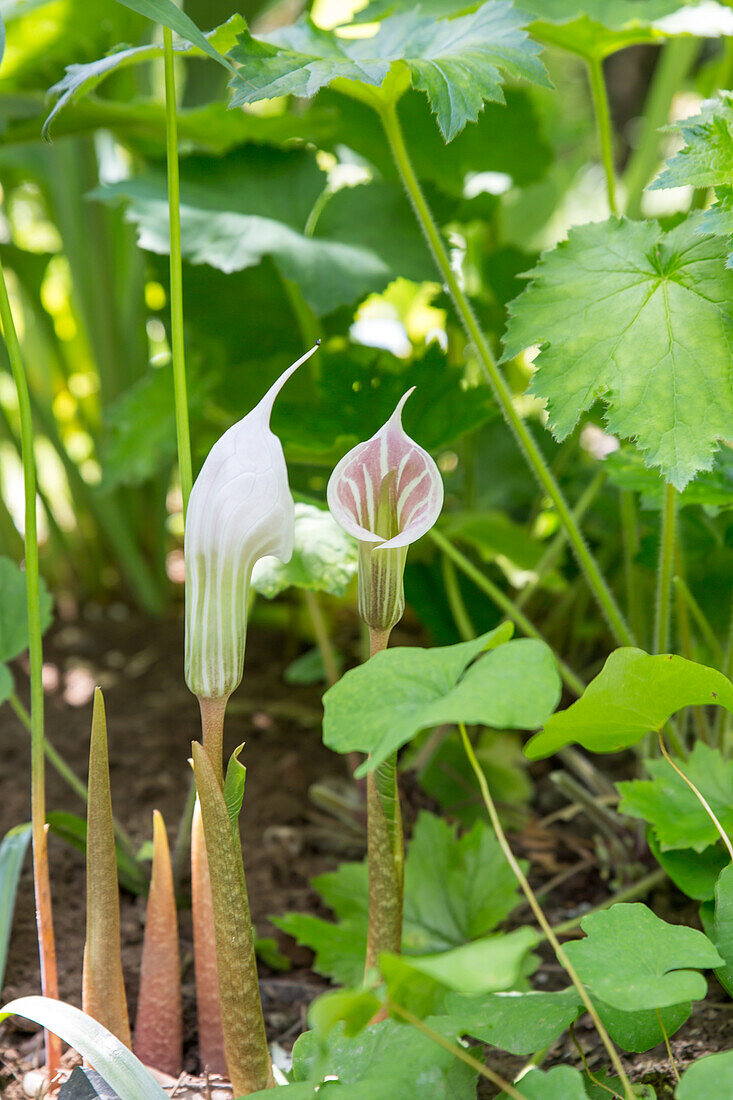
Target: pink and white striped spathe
415 491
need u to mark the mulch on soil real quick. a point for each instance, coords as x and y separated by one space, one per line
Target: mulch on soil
152 719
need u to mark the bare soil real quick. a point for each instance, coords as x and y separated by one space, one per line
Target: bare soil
152 720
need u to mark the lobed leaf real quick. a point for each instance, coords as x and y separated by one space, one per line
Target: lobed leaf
377 707
459 63
113 1061
634 961
639 318
633 695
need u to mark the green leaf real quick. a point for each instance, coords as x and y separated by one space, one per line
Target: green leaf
721 932
457 889
324 559
12 855
171 16
559 1083
113 1061
708 1078
384 1061
268 951
599 1090
712 489
645 326
80 79
14 610
256 201
378 706
633 961
234 787
73 829
7 685
521 1023
694 873
672 809
309 668
640 1031
354 1008
706 157
633 695
458 62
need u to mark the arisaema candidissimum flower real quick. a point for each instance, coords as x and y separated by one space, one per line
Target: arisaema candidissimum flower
241 509
387 493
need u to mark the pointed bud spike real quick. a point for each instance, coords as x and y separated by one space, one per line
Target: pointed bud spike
159 1020
103 989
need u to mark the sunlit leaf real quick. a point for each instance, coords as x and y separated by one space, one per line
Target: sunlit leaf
13 848
113 1061
458 62
633 695
645 325
634 961
170 15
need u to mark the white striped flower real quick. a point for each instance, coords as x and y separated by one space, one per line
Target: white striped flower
240 510
387 493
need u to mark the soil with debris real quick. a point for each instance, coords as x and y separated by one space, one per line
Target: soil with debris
152 719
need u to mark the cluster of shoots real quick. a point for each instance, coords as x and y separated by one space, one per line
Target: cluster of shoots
386 492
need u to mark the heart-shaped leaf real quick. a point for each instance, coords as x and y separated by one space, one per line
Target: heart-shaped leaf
634 694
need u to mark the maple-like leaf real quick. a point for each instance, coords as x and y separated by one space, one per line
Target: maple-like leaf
459 63
642 319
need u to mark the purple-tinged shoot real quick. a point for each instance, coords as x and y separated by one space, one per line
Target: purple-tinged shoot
240 510
387 493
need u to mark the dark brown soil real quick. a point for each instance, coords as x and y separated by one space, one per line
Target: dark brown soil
152 719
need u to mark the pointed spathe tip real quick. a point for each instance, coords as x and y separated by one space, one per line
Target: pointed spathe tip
267 402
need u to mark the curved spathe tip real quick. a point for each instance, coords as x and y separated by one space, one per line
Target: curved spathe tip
264 407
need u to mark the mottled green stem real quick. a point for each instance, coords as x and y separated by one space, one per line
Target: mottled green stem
385 849
490 368
44 915
542 920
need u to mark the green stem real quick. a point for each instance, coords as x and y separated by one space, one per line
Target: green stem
555 549
323 640
455 1050
385 849
663 607
532 453
456 603
673 65
706 631
630 539
183 435
503 602
44 916
603 125
70 777
685 642
542 920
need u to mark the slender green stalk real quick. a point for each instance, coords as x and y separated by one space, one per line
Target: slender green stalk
663 608
542 920
706 631
603 125
685 642
455 1050
183 435
385 849
672 68
44 915
323 640
630 541
503 602
555 549
532 453
456 602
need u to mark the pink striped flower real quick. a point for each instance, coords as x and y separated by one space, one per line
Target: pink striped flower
387 493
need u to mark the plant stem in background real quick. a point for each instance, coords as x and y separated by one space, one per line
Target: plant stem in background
103 987
159 1019
41 879
672 67
630 541
323 641
183 435
603 125
685 642
542 920
385 849
706 631
456 602
663 606
502 601
247 1055
532 453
